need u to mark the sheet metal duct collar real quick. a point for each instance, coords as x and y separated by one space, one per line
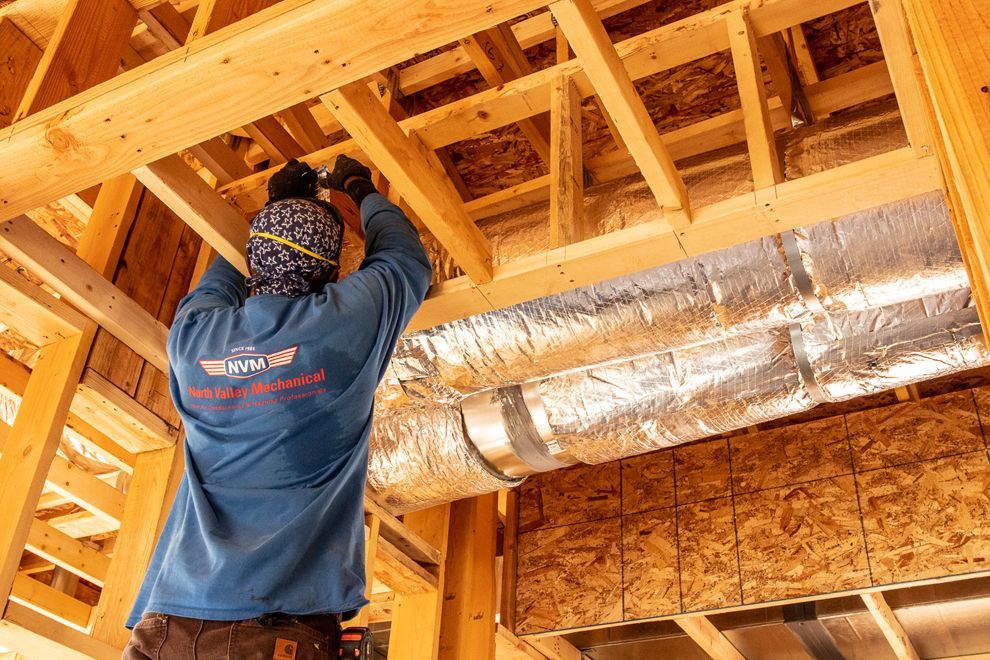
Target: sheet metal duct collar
509 426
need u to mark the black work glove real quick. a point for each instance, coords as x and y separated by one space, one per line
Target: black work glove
345 168
294 180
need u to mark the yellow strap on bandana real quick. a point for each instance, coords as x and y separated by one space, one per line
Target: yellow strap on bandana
292 245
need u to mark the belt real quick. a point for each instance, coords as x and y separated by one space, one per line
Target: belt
326 624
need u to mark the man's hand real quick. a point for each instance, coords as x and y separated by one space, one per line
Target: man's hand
344 169
294 180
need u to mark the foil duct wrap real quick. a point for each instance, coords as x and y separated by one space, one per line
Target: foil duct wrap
657 401
743 290
902 251
899 355
844 138
419 456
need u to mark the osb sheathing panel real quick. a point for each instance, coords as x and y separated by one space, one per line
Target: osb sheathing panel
928 519
804 523
573 576
790 455
936 427
702 471
800 540
708 559
649 551
647 482
579 494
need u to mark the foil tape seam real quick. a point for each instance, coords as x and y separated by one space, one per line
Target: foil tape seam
804 365
802 278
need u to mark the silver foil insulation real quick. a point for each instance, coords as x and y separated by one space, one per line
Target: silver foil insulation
730 339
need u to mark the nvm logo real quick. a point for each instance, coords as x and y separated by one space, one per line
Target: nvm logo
246 365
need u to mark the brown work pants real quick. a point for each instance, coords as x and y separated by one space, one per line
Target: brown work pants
167 637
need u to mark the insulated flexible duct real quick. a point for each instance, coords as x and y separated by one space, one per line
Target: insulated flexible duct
741 336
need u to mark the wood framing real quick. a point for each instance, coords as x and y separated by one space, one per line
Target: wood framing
957 70
763 157
22 57
708 637
416 174
63 550
892 629
612 82
567 220
84 51
202 208
39 316
45 146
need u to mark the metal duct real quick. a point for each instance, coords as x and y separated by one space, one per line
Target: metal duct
681 352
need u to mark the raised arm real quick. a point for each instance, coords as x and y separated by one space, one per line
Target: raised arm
222 285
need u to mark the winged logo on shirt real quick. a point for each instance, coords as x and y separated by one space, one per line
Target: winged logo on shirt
246 365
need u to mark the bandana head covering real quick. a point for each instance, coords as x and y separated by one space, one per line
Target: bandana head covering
294 244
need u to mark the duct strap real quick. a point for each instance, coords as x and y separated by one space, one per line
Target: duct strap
804 365
792 253
510 428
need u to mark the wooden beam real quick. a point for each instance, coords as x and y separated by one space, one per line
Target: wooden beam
510 534
898 52
84 489
85 288
891 628
198 205
212 15
63 550
499 59
215 67
41 598
567 219
763 156
803 622
106 231
132 425
221 160
39 316
84 51
401 536
38 636
147 505
396 570
555 648
805 63
304 128
415 630
21 58
709 638
605 69
31 446
415 172
467 621
510 647
274 139
774 52
957 71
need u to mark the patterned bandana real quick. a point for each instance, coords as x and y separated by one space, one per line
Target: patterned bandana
294 244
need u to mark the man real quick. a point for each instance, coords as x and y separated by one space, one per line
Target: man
263 552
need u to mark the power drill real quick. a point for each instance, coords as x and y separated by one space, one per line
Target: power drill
356 642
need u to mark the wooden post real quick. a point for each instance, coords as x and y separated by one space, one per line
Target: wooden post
21 59
955 57
507 606
415 633
567 219
467 624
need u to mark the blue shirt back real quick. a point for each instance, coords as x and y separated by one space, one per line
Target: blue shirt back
276 397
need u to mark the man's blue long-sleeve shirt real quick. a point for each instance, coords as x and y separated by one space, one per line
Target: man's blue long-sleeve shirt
276 397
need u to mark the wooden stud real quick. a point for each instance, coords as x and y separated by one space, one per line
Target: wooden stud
898 52
85 50
85 288
510 534
709 638
53 603
145 510
63 550
38 636
467 623
416 173
373 528
807 71
32 311
31 446
21 58
198 205
567 219
113 214
763 156
415 630
774 52
604 68
957 71
555 648
891 628
499 59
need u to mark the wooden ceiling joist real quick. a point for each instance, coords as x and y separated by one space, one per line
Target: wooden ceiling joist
416 173
53 603
891 628
35 313
48 147
604 67
200 206
63 550
763 156
709 638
